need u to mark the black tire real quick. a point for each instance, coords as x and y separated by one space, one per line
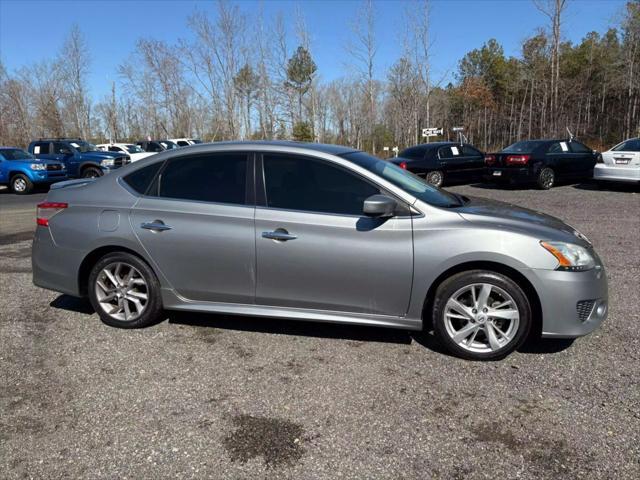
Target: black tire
91 172
152 312
458 282
546 178
20 184
435 178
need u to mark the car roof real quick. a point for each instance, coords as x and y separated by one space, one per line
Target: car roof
318 147
11 148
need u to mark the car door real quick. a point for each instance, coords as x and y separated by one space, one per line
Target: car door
197 224
472 163
561 159
63 152
451 161
583 159
316 250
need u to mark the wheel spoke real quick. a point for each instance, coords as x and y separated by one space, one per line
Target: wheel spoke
109 297
503 304
508 314
472 337
111 277
104 287
474 296
464 332
129 277
485 291
454 304
491 336
500 332
133 293
127 310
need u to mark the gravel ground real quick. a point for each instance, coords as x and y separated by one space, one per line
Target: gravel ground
203 396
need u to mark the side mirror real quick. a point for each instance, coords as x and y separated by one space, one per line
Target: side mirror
379 206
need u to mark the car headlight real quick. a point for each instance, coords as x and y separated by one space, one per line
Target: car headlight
38 166
107 162
570 256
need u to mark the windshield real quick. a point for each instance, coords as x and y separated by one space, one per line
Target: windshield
84 147
522 147
168 145
134 149
15 154
405 180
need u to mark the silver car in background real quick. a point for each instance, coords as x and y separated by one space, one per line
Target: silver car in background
315 232
620 164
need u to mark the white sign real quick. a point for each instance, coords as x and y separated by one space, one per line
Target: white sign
36 150
455 151
386 149
458 129
564 147
431 132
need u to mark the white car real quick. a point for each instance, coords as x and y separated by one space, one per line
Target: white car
621 163
134 151
185 142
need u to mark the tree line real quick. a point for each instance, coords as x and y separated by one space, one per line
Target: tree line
240 77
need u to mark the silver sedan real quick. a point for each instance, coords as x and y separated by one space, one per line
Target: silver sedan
315 232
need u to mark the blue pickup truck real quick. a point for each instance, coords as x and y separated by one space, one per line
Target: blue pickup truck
22 172
82 159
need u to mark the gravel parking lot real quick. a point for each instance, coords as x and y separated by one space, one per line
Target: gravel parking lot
229 397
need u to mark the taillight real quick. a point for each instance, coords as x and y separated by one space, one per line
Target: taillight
46 210
489 159
599 158
517 159
403 165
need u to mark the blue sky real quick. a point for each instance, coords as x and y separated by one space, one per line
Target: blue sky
33 31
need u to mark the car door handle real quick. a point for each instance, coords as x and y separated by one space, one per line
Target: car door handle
281 235
155 226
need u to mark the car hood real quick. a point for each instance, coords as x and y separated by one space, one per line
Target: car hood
508 216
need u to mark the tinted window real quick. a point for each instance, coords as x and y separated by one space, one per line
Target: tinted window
578 147
522 147
154 147
182 143
449 152
140 179
469 151
555 148
628 146
208 178
61 148
414 153
403 179
14 154
299 183
114 149
41 148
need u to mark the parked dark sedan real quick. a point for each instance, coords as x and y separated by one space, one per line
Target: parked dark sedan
541 162
441 162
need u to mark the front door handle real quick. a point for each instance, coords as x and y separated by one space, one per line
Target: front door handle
279 234
155 226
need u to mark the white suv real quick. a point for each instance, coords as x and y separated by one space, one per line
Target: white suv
621 163
185 142
134 151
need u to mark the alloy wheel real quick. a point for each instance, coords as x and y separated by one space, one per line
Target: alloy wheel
435 178
547 178
121 291
19 185
481 318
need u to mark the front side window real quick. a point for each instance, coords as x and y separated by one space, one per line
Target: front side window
469 151
134 148
219 178
301 183
578 147
115 149
182 143
60 148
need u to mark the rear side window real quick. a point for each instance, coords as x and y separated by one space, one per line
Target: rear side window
469 151
41 148
142 178
302 183
414 153
452 151
182 143
219 178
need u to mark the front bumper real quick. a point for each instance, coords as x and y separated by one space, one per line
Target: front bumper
616 173
573 303
45 176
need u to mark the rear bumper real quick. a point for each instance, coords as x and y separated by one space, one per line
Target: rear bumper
54 267
573 303
616 173
512 174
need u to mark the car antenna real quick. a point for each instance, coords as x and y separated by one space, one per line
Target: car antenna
461 138
570 135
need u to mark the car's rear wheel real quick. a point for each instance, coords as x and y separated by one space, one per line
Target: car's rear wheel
435 178
481 315
124 291
546 178
91 172
20 184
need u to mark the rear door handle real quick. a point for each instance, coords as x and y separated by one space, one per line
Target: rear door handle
281 235
155 226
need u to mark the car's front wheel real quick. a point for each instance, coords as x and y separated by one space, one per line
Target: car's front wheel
481 315
124 291
20 184
91 172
